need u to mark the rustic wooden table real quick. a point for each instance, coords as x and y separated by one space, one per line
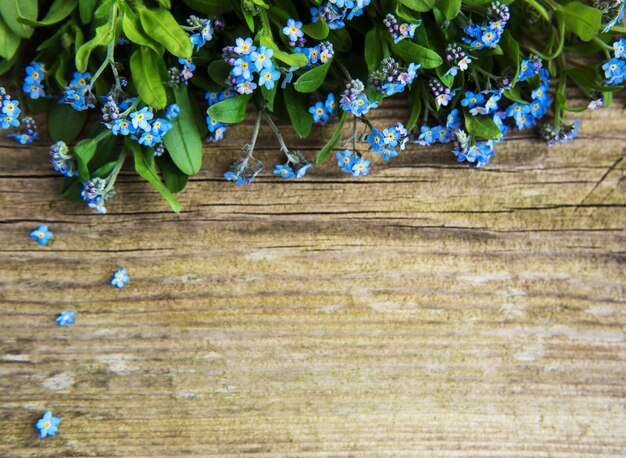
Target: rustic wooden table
425 310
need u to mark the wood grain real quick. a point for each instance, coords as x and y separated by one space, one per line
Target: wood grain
425 310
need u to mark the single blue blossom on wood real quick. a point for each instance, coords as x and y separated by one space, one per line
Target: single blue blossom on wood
284 171
120 278
66 318
41 235
47 425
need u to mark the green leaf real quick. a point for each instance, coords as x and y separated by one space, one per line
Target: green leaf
316 30
10 10
450 8
373 49
9 42
219 71
71 189
183 140
415 102
86 9
312 79
293 60
59 10
65 123
161 25
146 76
210 7
144 165
321 156
482 126
583 20
412 52
298 109
104 35
135 33
230 110
85 150
175 180
511 53
418 5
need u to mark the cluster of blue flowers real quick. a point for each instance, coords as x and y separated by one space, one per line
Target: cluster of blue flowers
354 100
33 86
139 125
10 110
399 31
440 133
615 69
323 111
62 160
217 129
390 79
385 143
248 60
28 132
336 12
78 92
563 135
96 192
443 95
489 34
296 166
353 162
458 58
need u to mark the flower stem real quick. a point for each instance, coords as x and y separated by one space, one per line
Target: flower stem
281 141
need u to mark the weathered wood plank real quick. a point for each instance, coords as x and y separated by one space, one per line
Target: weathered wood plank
425 310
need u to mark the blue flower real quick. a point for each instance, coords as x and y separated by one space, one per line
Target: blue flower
387 152
444 134
9 121
303 170
22 139
232 176
268 77
206 34
160 127
320 115
426 136
345 160
80 81
120 278
390 136
471 100
454 120
187 63
284 171
47 425
361 167
66 318
246 87
76 99
262 58
615 71
242 68
244 46
35 73
293 30
122 126
41 235
172 111
596 104
10 108
376 140
149 139
34 91
331 105
139 119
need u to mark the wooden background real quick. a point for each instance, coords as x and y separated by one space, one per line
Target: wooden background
427 309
